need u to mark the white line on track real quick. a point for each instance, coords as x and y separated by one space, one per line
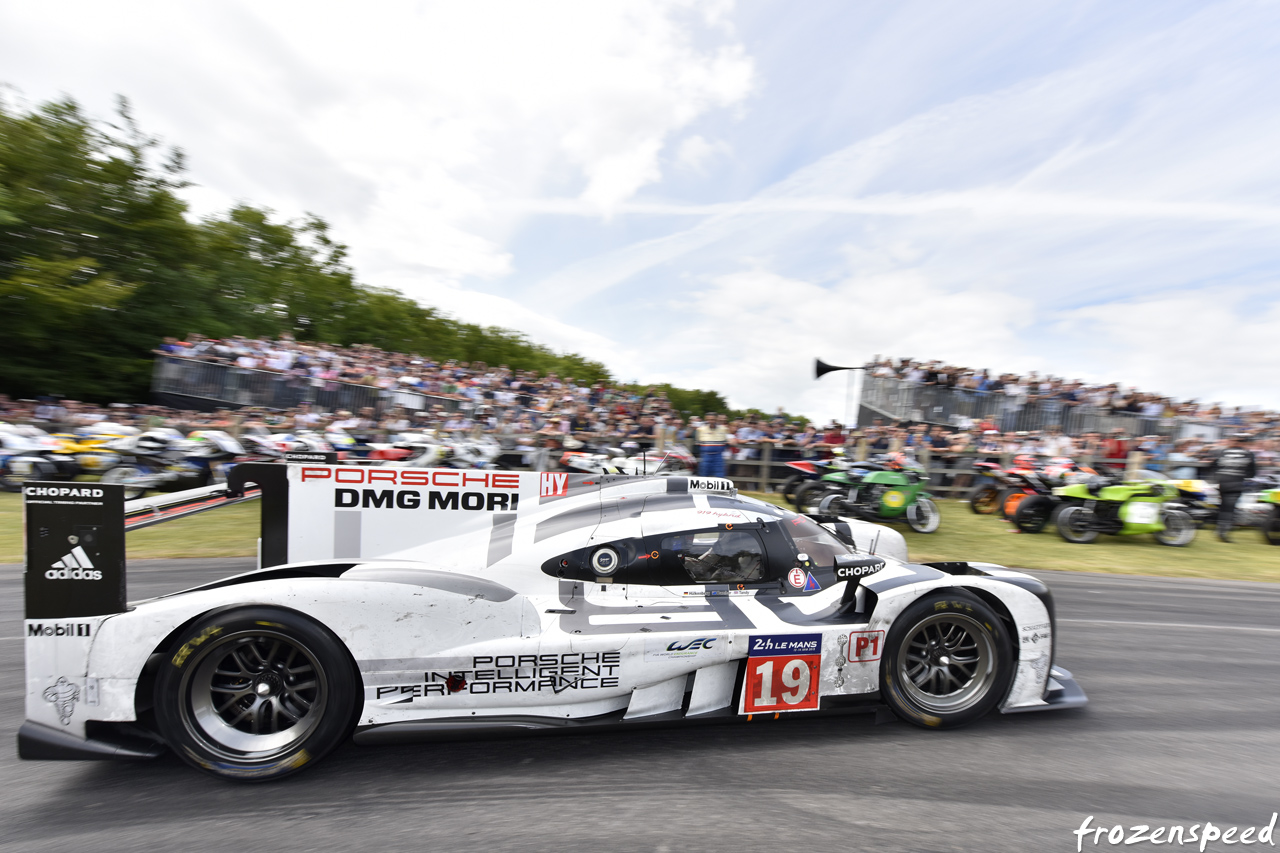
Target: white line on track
1195 625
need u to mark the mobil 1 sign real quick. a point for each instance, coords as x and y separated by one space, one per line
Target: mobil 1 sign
75 549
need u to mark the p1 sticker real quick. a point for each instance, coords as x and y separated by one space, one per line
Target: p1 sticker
865 646
782 673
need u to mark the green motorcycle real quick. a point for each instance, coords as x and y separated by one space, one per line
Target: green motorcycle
1123 509
891 489
1271 527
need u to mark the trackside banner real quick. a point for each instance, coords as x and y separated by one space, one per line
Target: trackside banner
75 550
338 512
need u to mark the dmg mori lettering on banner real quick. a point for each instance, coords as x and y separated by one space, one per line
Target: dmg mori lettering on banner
413 499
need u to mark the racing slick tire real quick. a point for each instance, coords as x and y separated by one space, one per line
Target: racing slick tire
255 693
984 500
1009 500
923 516
948 660
809 496
1033 513
1271 527
1074 525
1179 529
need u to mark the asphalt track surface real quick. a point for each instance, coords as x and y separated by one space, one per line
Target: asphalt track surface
1183 727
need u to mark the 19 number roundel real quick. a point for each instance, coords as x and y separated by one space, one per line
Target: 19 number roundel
782 673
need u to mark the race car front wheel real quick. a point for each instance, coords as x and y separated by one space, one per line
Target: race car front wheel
948 661
255 693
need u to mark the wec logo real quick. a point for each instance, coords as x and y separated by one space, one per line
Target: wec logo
692 645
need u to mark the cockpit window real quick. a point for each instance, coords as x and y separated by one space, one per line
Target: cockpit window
811 538
718 556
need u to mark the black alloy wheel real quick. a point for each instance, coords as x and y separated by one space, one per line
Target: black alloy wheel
948 661
256 693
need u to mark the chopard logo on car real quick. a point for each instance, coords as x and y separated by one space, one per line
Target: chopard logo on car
517 674
62 492
869 567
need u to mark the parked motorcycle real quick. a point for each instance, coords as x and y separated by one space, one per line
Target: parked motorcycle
888 488
28 453
1271 529
162 462
1123 509
808 470
1034 512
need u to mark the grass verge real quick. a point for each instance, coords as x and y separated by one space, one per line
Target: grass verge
228 532
987 538
233 532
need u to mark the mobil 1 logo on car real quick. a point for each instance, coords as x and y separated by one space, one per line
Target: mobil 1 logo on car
75 550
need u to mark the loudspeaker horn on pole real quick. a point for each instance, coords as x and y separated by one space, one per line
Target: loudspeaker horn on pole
821 368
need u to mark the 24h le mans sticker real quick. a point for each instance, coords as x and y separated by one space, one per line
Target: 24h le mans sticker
782 673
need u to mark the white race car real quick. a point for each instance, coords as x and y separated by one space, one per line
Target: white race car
400 603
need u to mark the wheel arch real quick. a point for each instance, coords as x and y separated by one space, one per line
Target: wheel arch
144 691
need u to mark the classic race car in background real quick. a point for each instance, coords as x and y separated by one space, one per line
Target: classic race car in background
403 602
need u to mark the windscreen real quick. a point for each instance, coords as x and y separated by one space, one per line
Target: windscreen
811 538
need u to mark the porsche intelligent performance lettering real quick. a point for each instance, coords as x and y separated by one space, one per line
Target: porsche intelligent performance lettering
518 674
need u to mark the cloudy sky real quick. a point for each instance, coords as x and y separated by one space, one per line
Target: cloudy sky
714 193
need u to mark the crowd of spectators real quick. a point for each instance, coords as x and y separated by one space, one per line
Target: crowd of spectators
530 410
1063 394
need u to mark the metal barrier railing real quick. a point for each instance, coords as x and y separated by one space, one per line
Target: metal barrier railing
229 385
911 401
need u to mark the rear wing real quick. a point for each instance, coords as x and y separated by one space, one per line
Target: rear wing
75 532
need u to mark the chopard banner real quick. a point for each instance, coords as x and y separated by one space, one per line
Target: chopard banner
75 550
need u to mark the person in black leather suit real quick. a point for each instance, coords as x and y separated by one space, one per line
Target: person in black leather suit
1233 465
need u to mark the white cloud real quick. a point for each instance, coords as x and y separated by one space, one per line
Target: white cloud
1011 187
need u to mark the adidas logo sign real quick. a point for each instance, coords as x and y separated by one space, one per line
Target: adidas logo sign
76 566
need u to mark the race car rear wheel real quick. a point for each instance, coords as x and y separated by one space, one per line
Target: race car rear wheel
1033 514
984 500
948 661
255 693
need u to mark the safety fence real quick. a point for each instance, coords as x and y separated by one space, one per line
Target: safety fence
899 399
218 384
